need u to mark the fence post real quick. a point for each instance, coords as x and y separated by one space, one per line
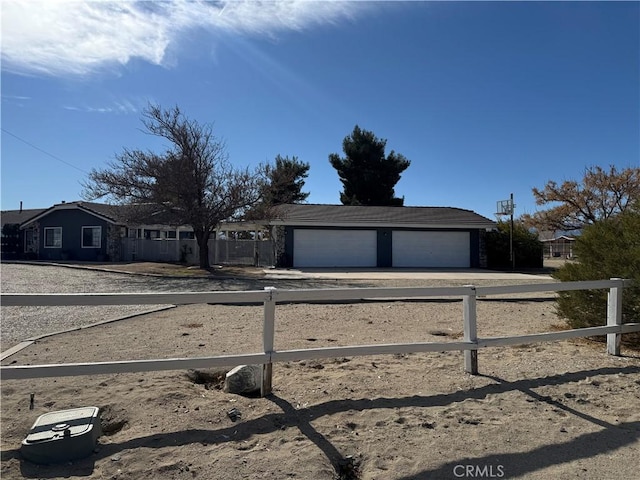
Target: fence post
614 317
470 330
268 330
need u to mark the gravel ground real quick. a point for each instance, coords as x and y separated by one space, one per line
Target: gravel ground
21 323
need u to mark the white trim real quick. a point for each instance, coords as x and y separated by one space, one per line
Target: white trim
44 239
368 225
67 206
82 245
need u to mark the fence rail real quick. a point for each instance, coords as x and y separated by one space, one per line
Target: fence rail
270 297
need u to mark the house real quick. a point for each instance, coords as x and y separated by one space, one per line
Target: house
367 236
300 235
87 231
81 231
13 243
557 246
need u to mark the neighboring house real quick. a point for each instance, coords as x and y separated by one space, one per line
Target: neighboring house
14 244
367 236
81 231
557 246
96 232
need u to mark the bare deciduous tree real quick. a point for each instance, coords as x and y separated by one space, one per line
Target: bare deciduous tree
192 183
600 195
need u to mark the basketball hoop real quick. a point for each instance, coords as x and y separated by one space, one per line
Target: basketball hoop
505 207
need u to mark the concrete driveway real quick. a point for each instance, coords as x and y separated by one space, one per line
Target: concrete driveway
400 274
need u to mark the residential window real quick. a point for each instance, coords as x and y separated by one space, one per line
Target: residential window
91 237
52 237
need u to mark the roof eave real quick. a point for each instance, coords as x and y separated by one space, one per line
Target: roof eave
457 226
68 207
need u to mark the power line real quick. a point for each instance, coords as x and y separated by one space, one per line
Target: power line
43 151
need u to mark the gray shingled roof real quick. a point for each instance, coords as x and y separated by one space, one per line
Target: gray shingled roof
19 216
109 211
315 215
114 213
99 209
343 215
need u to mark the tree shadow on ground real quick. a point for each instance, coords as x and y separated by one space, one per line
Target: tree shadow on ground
514 465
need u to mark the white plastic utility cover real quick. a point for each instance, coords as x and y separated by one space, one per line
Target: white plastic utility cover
334 248
431 249
62 436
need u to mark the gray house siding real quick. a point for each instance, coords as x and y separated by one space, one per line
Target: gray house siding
286 260
385 257
71 222
474 239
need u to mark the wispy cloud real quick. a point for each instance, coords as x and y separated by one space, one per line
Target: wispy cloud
19 100
15 97
122 106
60 38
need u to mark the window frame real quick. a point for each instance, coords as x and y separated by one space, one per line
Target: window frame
82 245
44 240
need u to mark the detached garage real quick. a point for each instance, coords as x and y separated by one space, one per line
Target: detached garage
379 237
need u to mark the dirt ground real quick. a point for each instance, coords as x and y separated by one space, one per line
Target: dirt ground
172 269
555 410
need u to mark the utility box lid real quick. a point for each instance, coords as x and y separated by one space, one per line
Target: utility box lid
62 436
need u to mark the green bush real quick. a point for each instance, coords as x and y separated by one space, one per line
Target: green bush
526 247
606 249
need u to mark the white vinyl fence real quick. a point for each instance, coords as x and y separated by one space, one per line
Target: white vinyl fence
270 297
236 252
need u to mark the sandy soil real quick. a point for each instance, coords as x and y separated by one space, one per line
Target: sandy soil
557 410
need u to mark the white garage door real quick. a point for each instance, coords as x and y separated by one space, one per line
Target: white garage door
334 248
431 249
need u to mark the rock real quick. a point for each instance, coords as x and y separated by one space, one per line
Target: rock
244 379
234 414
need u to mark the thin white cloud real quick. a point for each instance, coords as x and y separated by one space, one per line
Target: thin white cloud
61 38
120 106
15 97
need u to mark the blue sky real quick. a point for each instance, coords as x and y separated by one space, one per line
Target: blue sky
485 99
